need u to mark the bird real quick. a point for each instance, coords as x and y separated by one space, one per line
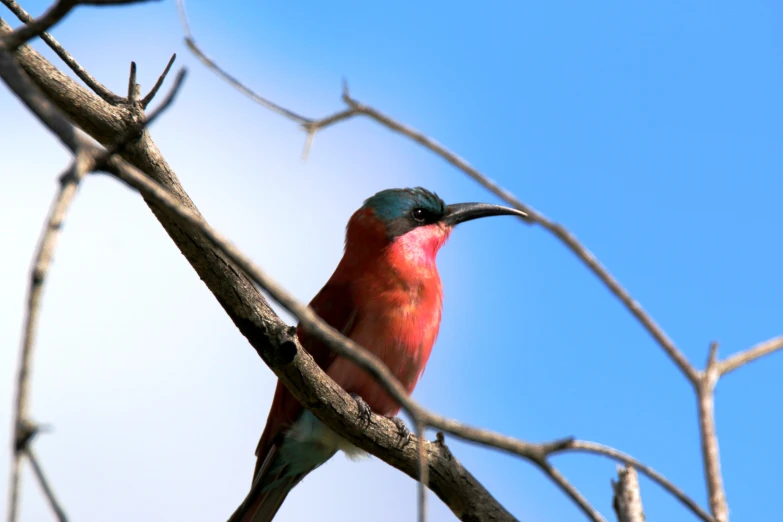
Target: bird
385 295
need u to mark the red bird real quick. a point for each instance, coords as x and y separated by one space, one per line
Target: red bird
386 296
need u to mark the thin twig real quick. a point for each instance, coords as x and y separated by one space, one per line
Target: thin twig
554 474
627 496
133 87
191 43
47 489
600 449
751 354
53 15
40 25
13 488
149 97
146 121
96 86
23 429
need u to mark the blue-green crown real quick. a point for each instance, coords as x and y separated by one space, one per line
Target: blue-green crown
391 204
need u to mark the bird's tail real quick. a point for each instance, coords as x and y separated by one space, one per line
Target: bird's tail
271 486
267 492
261 505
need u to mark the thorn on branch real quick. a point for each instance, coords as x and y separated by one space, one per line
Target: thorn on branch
133 88
557 445
713 355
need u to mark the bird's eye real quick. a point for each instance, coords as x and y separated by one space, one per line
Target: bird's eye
419 214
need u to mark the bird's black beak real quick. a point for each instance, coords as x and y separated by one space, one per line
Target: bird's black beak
461 212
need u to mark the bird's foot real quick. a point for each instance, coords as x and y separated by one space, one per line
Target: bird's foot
403 433
365 412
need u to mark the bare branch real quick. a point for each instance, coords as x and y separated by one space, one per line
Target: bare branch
96 86
741 359
13 488
46 487
579 499
53 15
600 449
69 183
705 392
627 496
149 97
191 43
23 428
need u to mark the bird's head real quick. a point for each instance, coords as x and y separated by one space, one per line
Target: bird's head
414 221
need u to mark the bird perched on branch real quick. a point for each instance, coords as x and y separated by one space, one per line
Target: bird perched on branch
386 296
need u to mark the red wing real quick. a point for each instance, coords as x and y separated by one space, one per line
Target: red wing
334 304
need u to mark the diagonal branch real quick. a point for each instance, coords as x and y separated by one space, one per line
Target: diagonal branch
570 490
45 486
35 27
739 360
150 95
96 86
191 43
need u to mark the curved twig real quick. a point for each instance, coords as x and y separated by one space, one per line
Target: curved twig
599 449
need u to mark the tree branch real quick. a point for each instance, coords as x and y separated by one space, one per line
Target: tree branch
599 449
149 97
45 486
51 17
88 79
627 496
23 428
739 360
705 388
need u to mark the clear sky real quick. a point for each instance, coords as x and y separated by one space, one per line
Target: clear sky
651 130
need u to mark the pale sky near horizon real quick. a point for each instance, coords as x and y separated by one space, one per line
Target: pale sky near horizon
651 131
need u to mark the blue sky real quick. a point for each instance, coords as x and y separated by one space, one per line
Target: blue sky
651 131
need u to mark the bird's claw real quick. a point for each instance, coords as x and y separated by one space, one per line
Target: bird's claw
403 433
365 412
